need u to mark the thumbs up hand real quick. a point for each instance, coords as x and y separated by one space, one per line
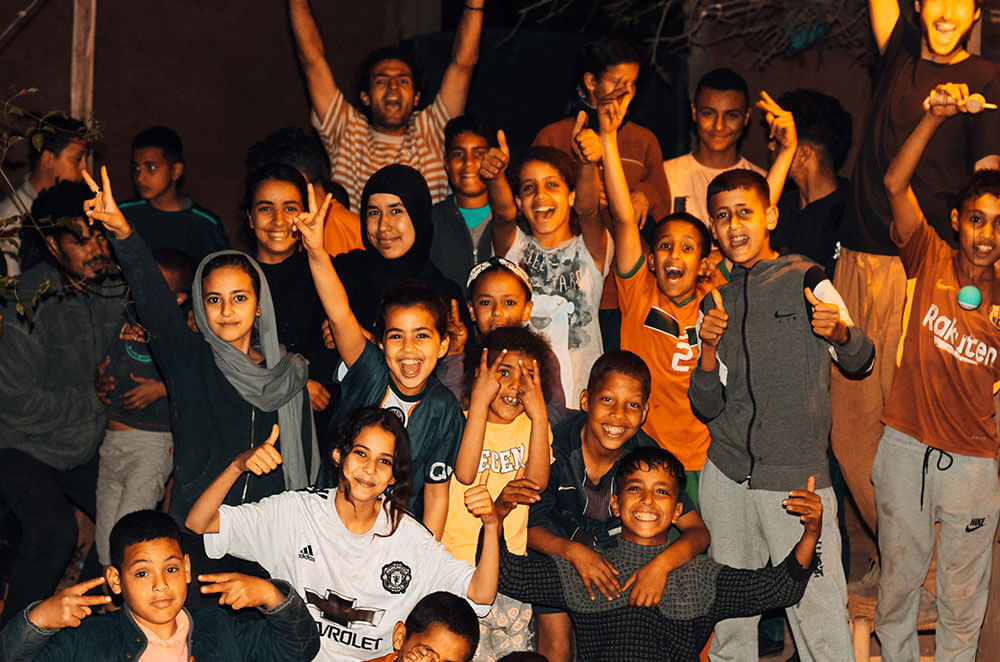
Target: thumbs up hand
496 160
715 322
479 502
515 493
807 505
826 322
262 459
586 143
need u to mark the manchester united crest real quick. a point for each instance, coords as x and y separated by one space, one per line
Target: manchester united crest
396 577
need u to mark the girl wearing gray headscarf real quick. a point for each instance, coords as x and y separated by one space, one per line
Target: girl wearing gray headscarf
228 383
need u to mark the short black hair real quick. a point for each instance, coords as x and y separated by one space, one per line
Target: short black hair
446 609
338 192
141 526
523 656
723 79
468 124
820 120
57 132
409 293
402 53
178 262
513 339
738 178
705 237
599 55
57 204
646 458
624 362
982 182
163 137
294 147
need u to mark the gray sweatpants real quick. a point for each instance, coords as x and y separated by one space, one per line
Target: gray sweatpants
961 493
133 470
749 527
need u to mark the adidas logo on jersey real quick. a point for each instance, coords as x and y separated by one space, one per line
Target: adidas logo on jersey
306 554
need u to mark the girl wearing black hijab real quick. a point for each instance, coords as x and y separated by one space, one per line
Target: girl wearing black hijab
394 250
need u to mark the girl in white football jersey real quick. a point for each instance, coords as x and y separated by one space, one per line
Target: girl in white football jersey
352 551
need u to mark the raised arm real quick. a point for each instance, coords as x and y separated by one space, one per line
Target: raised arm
628 243
781 125
204 514
483 586
494 171
347 332
170 338
906 213
883 15
464 55
587 205
309 47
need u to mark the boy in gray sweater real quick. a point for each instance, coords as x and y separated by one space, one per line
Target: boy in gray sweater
761 386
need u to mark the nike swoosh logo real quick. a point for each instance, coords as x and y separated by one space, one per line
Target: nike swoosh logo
970 528
779 316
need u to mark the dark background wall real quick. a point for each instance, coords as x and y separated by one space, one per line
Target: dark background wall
224 74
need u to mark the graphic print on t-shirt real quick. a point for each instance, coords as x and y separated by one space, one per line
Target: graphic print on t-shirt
564 275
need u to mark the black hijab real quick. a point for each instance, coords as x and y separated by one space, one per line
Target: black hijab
366 273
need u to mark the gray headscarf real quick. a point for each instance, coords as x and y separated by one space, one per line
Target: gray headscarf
277 385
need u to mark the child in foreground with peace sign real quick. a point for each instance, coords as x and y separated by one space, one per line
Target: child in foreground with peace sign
150 571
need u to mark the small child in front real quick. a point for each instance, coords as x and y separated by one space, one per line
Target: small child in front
442 626
762 387
151 573
936 462
698 594
136 458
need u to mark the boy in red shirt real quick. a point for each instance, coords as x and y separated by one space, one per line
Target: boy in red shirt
936 462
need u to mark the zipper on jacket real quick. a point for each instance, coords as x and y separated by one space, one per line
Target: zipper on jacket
746 357
246 483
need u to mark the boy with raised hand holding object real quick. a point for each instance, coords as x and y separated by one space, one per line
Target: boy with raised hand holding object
940 442
913 58
761 386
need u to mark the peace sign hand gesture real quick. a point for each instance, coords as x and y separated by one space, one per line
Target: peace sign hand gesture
103 206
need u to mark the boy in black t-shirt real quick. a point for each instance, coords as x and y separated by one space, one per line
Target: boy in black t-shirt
163 216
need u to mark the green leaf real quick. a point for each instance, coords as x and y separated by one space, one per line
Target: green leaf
36 141
14 140
14 110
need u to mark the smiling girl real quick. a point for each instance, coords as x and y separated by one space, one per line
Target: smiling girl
352 551
275 195
567 261
411 335
236 359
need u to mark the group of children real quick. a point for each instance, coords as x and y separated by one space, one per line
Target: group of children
484 445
